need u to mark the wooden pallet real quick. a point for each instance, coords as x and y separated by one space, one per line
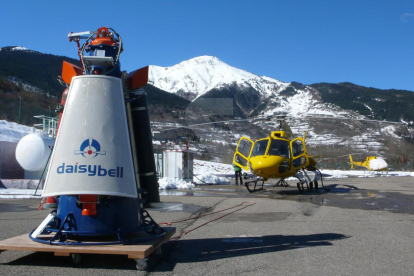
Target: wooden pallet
140 252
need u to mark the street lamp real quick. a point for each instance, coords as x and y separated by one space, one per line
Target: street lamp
20 107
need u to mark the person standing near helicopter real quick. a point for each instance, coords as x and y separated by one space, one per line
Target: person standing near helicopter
237 171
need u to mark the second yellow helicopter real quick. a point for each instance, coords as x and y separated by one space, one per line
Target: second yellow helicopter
372 163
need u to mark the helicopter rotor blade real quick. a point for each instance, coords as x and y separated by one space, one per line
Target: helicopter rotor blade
209 123
280 118
218 122
354 119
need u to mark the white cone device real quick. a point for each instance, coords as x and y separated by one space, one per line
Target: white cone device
92 150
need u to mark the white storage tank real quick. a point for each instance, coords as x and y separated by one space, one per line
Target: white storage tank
33 150
178 164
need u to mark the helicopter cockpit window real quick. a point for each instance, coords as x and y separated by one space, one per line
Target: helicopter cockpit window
279 148
242 160
244 147
299 161
297 148
260 147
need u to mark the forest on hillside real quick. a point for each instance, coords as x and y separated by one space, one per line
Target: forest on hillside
18 105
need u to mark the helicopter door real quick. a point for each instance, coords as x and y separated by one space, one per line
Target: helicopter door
299 154
243 151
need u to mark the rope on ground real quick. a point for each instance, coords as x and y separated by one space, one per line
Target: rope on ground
42 202
250 203
200 179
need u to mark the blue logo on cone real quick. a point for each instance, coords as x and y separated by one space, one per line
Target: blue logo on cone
90 148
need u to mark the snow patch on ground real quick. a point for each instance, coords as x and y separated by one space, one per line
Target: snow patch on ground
19 193
211 179
174 183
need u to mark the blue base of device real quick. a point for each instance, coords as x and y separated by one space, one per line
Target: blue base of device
113 214
119 220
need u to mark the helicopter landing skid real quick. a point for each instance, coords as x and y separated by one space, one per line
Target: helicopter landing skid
300 185
310 186
310 178
281 183
256 181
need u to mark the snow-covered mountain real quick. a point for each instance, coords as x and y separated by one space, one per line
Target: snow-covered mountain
193 78
198 76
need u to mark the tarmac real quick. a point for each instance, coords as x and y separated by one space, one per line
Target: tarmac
357 226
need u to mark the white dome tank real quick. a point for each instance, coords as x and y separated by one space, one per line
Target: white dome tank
33 150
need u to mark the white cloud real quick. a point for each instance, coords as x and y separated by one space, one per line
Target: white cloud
406 17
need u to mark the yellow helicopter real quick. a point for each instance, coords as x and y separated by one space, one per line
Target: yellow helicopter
372 163
279 155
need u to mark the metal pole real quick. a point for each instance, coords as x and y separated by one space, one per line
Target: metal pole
44 169
20 106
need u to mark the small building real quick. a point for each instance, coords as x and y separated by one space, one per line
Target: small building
178 164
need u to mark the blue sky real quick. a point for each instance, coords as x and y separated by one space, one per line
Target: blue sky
369 43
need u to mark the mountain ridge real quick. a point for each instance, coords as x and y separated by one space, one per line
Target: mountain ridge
202 74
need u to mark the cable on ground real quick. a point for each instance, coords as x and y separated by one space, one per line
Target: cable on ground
250 203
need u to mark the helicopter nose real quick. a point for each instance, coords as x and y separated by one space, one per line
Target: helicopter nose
268 165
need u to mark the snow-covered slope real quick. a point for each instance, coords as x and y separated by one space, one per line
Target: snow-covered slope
13 132
304 101
16 48
201 74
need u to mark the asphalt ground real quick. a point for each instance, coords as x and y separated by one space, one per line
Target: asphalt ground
357 226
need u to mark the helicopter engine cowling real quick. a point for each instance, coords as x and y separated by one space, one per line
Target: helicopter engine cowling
378 164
